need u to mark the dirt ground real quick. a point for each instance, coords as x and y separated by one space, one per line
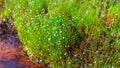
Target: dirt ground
11 53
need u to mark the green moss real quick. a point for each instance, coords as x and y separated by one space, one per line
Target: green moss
48 29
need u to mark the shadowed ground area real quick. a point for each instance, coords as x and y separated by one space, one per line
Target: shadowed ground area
11 53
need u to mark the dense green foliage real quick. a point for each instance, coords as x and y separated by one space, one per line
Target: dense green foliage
68 33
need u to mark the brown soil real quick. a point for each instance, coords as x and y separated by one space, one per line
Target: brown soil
11 53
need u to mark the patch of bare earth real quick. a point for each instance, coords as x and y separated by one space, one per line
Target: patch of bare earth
11 53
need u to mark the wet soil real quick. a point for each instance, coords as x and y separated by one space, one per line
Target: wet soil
11 52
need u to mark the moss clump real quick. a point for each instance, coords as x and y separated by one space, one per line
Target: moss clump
68 33
43 34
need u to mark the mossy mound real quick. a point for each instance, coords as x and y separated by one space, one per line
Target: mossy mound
62 32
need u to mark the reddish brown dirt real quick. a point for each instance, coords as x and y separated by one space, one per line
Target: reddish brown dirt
11 53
